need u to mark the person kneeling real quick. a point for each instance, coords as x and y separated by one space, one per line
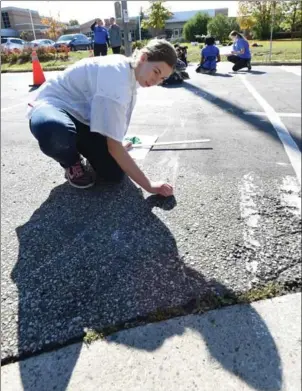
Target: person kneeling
210 56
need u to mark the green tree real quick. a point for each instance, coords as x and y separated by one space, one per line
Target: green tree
261 13
25 35
292 16
157 14
73 22
220 27
198 25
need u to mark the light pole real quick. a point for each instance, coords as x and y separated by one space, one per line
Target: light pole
272 30
32 24
125 19
139 28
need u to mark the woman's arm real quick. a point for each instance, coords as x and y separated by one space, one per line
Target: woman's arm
93 26
128 165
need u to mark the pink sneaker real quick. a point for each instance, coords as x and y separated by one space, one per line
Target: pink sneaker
78 176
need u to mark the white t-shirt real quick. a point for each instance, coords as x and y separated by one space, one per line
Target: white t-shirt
99 92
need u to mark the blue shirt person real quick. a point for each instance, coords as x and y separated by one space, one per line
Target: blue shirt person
241 54
210 56
101 38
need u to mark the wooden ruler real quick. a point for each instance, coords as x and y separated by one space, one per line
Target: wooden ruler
171 143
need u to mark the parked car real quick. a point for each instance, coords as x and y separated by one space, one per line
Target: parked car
42 43
74 42
12 43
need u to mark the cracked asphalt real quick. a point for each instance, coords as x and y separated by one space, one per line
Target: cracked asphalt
74 259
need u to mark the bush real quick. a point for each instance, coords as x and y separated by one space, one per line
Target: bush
43 53
178 40
198 25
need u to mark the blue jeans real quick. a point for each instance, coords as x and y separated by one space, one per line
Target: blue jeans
64 138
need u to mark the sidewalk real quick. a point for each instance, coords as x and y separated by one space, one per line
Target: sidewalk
239 348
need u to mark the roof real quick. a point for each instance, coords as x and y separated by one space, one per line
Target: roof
184 16
5 9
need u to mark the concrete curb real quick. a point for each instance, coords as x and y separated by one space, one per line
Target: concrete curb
245 347
64 67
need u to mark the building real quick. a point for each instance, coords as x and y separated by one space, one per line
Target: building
174 25
16 20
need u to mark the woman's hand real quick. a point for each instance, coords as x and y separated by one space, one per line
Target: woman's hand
128 145
161 188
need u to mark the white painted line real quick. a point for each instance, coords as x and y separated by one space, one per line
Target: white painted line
262 114
14 106
289 144
250 216
292 69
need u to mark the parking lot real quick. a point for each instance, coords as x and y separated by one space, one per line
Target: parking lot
73 260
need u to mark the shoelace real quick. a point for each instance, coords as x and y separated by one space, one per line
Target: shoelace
77 170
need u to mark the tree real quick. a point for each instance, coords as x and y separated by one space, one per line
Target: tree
55 27
221 26
198 25
292 16
245 20
25 35
73 22
157 14
260 14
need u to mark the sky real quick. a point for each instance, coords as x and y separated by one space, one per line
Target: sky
84 11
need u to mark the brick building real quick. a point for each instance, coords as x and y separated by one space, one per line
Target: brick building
15 20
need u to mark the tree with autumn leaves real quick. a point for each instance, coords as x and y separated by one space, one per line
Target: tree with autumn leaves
55 27
157 14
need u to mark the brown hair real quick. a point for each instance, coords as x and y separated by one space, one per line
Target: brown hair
235 33
159 50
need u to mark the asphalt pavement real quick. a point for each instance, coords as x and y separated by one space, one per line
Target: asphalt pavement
105 257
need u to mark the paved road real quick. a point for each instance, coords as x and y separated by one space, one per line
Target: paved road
98 258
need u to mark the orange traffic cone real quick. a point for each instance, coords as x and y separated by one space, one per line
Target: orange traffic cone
38 74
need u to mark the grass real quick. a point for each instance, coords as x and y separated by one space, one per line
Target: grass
283 51
48 65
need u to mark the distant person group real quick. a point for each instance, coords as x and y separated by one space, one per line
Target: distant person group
240 55
104 38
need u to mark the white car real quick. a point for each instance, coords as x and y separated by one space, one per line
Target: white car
12 43
42 43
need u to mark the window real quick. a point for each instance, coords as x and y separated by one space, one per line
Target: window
3 40
5 19
18 41
176 33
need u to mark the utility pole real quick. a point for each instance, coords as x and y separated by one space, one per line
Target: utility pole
139 27
125 19
32 24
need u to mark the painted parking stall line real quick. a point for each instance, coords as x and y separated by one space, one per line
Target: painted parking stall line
289 144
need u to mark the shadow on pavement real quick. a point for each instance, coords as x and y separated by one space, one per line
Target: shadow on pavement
258 123
240 72
93 259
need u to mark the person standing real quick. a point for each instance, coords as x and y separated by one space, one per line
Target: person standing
241 55
115 36
101 38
